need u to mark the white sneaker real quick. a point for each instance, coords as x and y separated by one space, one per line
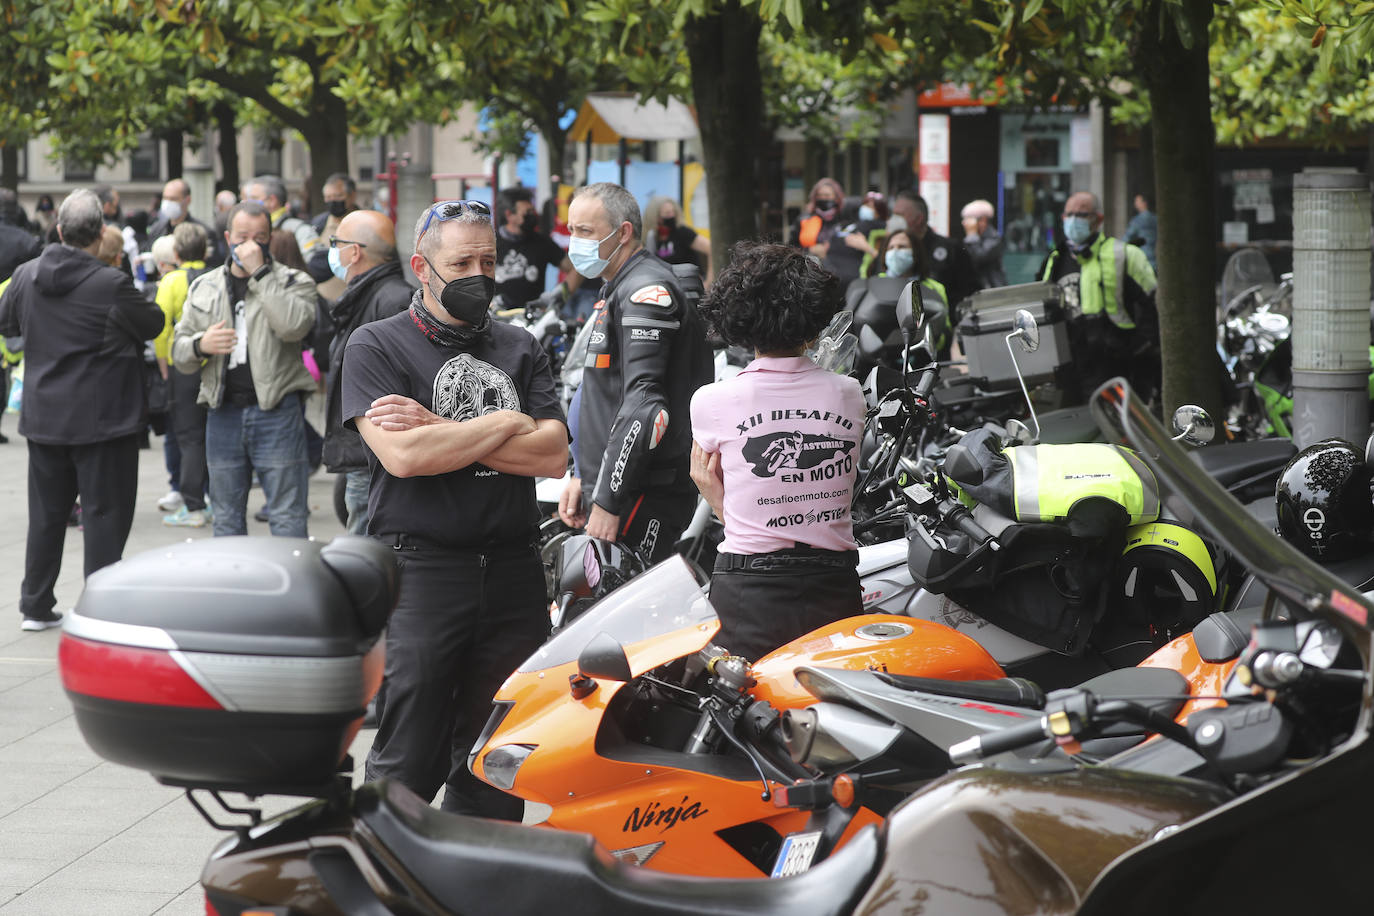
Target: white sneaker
184 519
171 502
35 624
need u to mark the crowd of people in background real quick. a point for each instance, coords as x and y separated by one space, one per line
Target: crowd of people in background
440 417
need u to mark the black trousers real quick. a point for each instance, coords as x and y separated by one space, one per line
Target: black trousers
105 476
761 610
188 425
463 623
655 521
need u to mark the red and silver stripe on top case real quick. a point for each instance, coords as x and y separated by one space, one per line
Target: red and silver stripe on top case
139 664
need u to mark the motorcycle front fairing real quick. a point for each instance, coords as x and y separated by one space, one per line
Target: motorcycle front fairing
656 618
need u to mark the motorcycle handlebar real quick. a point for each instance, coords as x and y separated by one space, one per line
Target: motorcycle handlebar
980 747
926 384
962 519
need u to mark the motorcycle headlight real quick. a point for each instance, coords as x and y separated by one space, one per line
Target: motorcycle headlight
501 765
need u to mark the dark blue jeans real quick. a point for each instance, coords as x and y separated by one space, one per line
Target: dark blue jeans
241 440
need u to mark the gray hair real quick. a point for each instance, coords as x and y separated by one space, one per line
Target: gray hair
272 186
1097 204
80 218
190 240
164 251
427 245
620 205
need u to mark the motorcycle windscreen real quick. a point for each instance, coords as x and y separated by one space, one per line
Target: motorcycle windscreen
657 617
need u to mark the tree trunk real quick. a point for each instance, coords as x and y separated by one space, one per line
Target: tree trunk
175 142
223 114
1185 176
723 49
9 167
327 137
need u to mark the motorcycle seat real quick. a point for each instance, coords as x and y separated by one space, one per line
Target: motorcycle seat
1235 462
1162 689
475 865
1009 691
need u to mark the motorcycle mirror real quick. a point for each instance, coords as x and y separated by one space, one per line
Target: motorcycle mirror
1195 427
578 567
923 352
604 659
1026 331
908 316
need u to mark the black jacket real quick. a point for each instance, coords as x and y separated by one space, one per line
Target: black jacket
83 325
950 266
16 246
379 293
646 357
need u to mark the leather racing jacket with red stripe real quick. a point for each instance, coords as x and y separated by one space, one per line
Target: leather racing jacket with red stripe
646 356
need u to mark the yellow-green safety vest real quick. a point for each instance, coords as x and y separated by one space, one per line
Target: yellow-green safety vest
1102 268
1049 480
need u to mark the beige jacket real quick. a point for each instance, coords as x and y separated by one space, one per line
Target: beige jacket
279 311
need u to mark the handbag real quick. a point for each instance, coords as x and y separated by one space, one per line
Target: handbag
16 392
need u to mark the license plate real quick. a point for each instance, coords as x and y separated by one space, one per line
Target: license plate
798 849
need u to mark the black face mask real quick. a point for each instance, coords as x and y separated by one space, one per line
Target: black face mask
826 206
530 222
338 208
670 223
467 299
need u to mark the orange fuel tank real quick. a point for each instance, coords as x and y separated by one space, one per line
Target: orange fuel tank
878 642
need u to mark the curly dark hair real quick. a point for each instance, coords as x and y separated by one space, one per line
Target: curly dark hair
772 298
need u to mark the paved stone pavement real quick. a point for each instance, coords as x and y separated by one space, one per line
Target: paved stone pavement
79 835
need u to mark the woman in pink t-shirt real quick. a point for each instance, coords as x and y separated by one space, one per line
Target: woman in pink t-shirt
775 452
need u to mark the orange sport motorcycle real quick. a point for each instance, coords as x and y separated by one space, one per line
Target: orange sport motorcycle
631 726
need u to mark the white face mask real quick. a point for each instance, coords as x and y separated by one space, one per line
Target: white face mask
171 210
586 258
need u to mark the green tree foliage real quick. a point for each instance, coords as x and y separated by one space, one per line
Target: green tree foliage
1293 70
528 65
111 70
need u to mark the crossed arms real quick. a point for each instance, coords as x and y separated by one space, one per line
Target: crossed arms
411 441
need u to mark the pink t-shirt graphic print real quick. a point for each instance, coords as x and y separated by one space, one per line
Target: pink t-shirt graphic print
788 434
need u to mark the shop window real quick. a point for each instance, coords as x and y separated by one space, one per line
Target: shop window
74 169
145 161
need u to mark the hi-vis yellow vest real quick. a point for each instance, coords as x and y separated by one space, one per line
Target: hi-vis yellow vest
1049 480
1101 280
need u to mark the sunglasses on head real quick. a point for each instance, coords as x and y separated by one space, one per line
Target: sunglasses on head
452 209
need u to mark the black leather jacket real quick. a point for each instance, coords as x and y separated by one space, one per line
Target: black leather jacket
646 357
379 293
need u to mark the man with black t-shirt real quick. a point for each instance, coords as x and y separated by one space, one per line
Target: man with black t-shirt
459 415
523 253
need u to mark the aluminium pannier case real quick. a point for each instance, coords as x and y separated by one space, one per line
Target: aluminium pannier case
988 319
233 663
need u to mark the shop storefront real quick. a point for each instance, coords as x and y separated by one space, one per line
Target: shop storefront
1038 153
